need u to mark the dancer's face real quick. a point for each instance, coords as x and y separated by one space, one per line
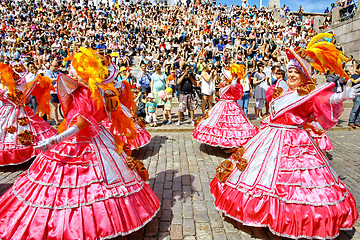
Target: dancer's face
295 78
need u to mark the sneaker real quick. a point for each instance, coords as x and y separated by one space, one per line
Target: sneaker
178 123
155 125
151 124
352 125
169 123
192 123
165 122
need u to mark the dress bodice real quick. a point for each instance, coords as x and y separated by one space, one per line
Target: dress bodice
292 109
231 92
84 105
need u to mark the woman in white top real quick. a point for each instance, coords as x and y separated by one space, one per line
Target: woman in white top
208 76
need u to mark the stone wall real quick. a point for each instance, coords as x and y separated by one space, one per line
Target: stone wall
347 33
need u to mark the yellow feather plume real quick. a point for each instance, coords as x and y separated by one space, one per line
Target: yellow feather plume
318 37
325 56
237 71
89 68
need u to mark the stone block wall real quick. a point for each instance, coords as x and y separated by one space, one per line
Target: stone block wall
348 35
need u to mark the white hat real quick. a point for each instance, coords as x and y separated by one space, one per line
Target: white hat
150 95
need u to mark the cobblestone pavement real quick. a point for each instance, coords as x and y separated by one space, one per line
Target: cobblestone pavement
180 171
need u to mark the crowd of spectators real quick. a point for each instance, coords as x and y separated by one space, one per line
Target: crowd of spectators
182 47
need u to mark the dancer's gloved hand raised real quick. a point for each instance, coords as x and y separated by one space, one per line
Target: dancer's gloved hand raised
348 93
49 142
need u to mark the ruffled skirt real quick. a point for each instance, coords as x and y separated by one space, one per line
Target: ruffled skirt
227 126
14 120
288 186
64 196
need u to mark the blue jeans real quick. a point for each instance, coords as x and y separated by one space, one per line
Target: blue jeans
244 102
355 112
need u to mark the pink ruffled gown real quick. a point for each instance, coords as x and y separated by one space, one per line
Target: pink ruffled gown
80 189
322 138
288 184
17 118
143 137
227 125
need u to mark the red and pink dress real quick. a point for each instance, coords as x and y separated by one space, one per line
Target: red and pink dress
287 183
226 125
20 127
80 189
319 135
143 137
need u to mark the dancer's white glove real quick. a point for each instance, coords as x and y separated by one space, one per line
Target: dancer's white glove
348 93
49 142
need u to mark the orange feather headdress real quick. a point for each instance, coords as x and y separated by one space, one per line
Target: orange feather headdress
323 55
90 69
7 77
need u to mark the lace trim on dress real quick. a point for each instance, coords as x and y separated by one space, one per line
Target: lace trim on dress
302 186
231 129
280 234
293 201
298 155
71 156
302 168
132 230
117 195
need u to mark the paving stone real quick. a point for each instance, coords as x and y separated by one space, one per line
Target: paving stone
166 215
176 232
199 206
218 233
151 229
203 231
201 217
164 226
166 204
189 227
188 211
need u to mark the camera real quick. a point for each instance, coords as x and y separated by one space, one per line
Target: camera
189 72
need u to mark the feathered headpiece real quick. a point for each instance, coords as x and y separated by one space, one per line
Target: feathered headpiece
323 55
7 77
89 68
237 72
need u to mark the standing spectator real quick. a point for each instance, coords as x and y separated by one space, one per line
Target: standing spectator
208 76
151 110
354 119
247 89
350 65
261 84
170 80
158 83
186 82
140 100
53 73
144 79
168 105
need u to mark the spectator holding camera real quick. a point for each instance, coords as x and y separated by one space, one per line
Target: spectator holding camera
186 82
